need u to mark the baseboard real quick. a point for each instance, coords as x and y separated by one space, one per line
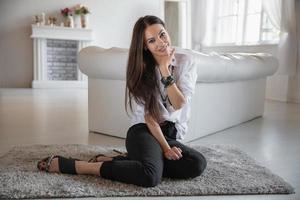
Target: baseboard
293 100
59 84
276 99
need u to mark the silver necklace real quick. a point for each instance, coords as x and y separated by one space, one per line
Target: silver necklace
166 98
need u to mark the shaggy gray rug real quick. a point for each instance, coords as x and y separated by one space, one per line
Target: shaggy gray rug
229 171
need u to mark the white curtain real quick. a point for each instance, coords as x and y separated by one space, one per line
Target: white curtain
273 10
282 15
171 20
199 10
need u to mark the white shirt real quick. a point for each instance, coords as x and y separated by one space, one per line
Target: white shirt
185 73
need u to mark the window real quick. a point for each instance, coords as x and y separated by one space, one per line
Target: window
238 22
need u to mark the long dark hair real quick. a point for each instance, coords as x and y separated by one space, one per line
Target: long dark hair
141 80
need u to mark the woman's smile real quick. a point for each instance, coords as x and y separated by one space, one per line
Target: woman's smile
164 48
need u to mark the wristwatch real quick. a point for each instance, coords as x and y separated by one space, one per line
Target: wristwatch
167 81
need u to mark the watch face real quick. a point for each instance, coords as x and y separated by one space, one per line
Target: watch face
164 80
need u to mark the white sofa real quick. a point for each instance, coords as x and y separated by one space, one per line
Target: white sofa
230 90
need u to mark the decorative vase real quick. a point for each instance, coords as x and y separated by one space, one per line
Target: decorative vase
43 21
77 21
85 21
66 22
70 21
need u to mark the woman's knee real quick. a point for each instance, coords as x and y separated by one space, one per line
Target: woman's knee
136 128
151 178
136 132
199 165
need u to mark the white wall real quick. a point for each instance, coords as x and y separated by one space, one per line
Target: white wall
111 20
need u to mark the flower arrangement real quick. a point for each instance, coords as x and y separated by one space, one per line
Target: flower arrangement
85 10
66 12
77 9
81 10
76 16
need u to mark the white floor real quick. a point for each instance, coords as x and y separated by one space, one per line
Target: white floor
53 116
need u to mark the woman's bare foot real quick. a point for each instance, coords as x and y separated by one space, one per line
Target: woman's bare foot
54 165
74 166
49 165
105 157
102 158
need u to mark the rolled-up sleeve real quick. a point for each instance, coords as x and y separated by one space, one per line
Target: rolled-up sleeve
188 78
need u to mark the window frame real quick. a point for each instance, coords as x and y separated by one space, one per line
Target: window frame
245 14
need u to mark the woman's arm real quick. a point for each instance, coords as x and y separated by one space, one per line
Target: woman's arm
170 153
175 95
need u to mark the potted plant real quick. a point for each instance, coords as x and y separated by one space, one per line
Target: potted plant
67 14
85 17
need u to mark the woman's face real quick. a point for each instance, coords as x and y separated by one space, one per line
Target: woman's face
157 40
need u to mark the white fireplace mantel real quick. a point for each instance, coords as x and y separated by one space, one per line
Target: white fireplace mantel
40 34
63 33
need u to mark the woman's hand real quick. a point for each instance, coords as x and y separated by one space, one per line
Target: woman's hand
166 59
173 153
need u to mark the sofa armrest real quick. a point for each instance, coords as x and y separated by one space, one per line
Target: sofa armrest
97 62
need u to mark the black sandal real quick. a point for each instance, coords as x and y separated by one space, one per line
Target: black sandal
120 155
66 165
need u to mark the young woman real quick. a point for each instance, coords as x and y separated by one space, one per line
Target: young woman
159 87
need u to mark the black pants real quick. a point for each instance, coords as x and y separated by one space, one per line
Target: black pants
145 164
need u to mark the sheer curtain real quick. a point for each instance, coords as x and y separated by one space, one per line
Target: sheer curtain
273 10
199 10
282 15
171 13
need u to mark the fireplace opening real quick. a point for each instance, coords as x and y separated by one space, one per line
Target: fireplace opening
62 59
